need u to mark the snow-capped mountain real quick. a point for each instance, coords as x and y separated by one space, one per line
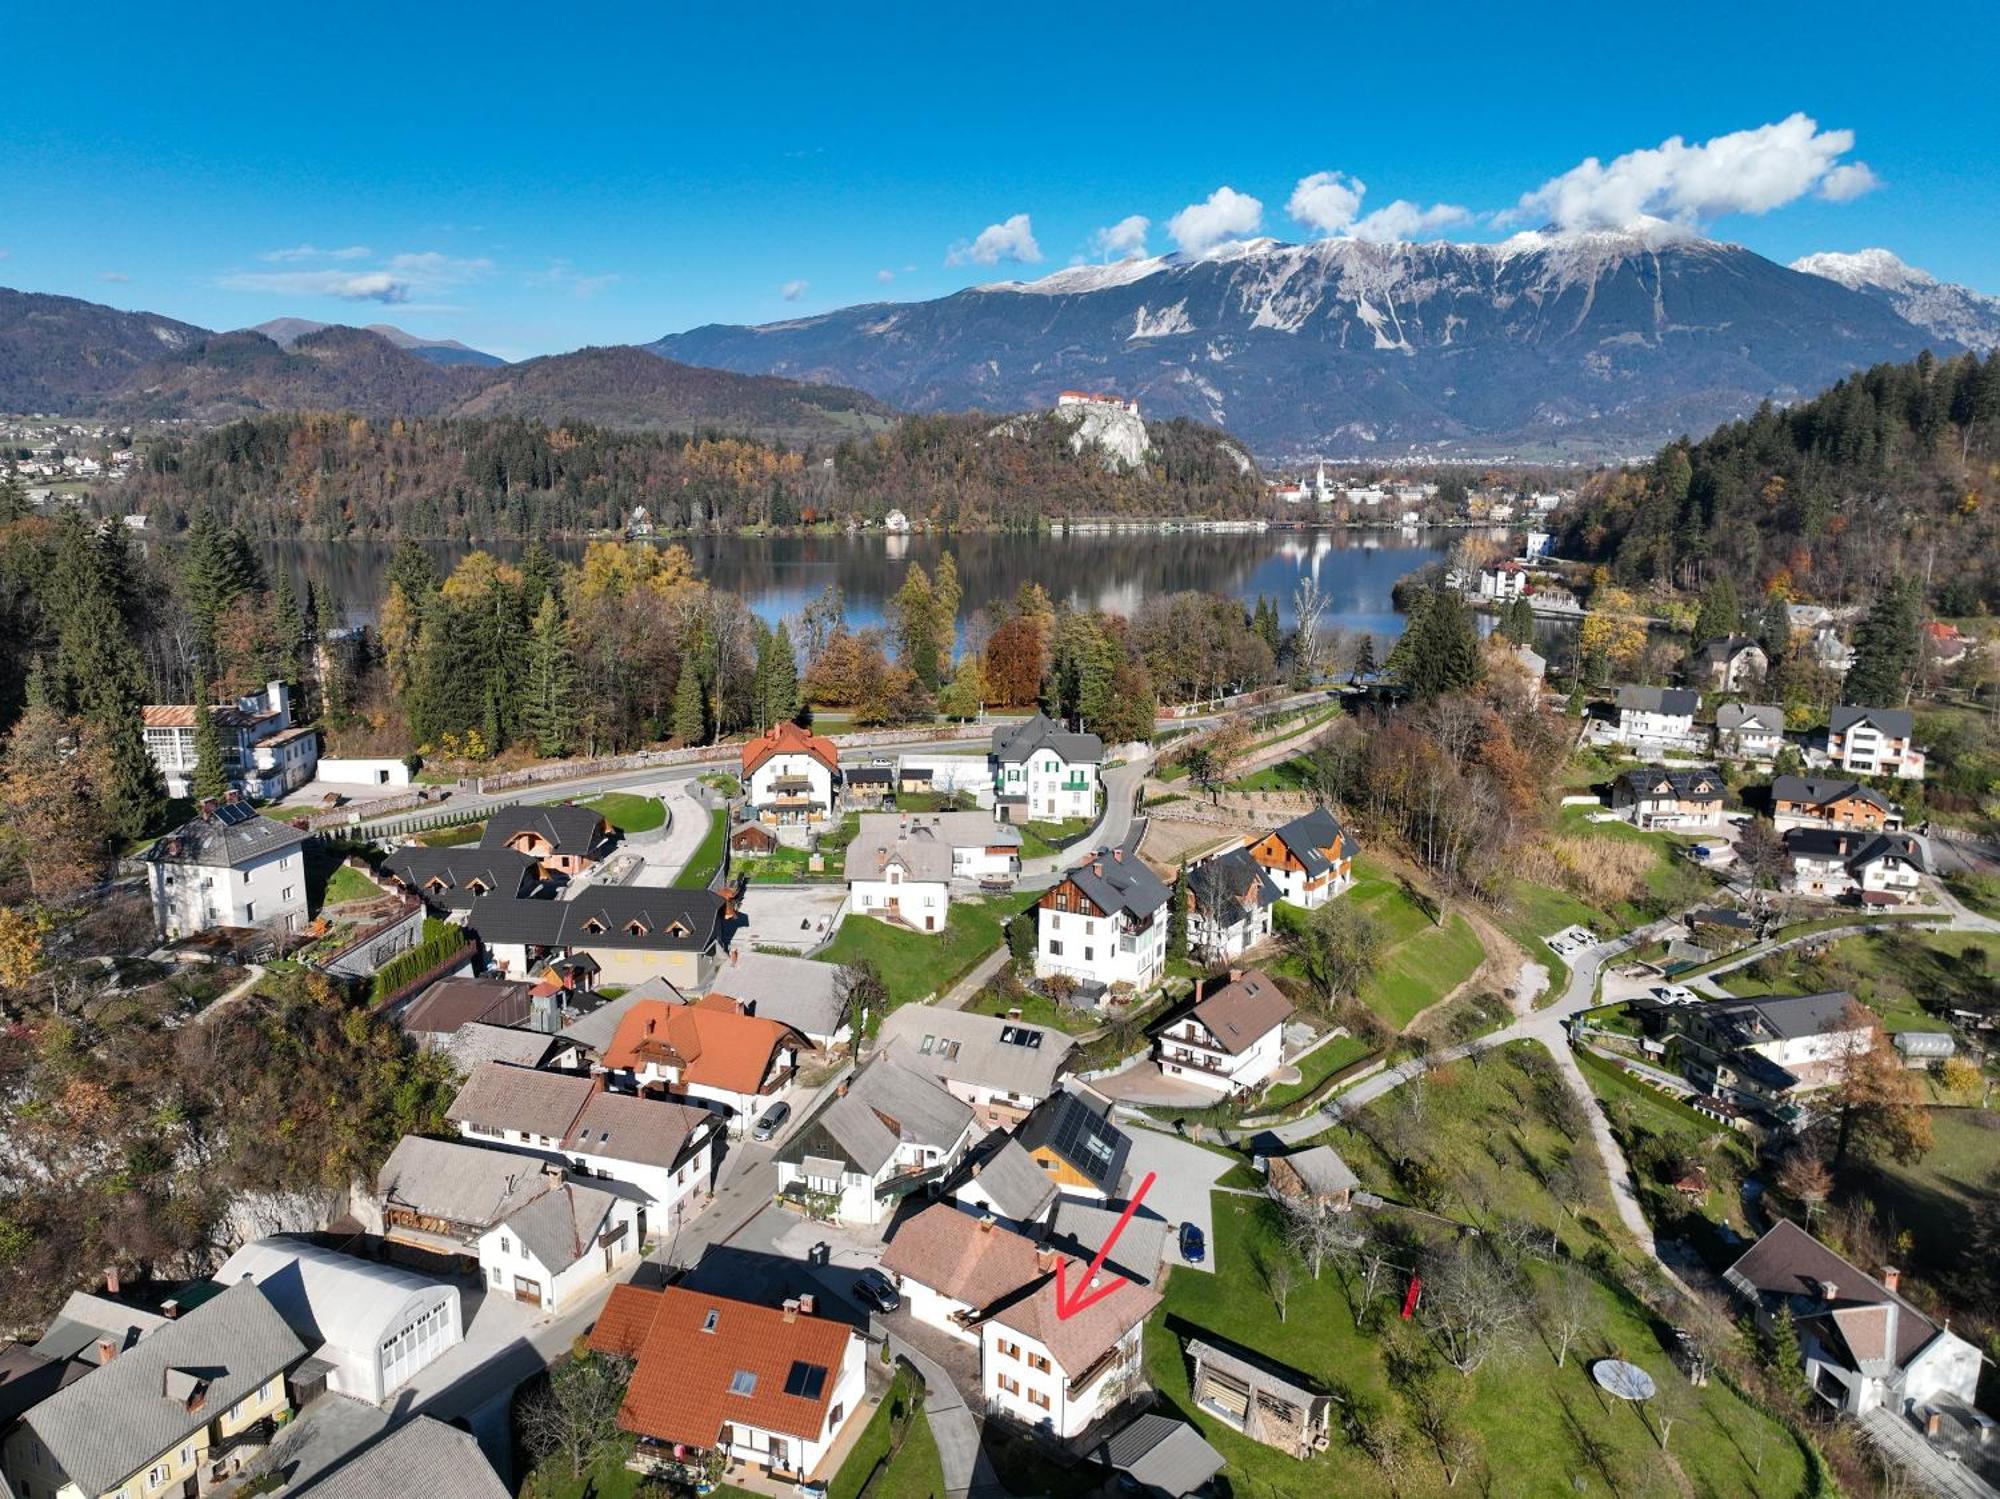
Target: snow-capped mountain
1950 311
1591 344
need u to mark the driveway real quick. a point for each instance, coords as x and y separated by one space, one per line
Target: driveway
1183 1177
1143 1082
666 850
796 916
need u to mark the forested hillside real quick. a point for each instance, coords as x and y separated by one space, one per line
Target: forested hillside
1895 471
334 476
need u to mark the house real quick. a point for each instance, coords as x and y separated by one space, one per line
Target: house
1874 742
476 1043
791 775
1532 662
540 1234
867 786
1944 644
1233 1040
1001 1067
809 997
1879 869
1317 1175
662 1148
1749 731
187 1404
1830 651
421 1456
450 879
1264 1400
768 1386
1824 802
1863 1346
227 867
890 1131
1310 858
1503 582
1231 902
996 1290
752 840
1656 716
902 867
708 1052
439 1012
1043 772
264 753
565 839
1158 1457
1000 1180
1072 1141
375 1326
632 932
1734 663
1105 923
1652 797
1765 1054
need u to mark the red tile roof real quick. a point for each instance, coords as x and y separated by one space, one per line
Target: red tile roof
690 1346
715 1047
789 738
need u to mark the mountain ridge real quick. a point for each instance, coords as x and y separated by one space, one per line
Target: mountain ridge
1967 317
284 331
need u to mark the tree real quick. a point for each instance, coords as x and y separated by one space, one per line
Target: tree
1278 1281
914 609
824 616
1566 1309
211 769
1961 1079
1021 938
862 993
1804 1178
134 795
548 695
1517 622
1337 945
1312 1232
1472 1307
1177 915
1015 663
573 1419
1885 648
1439 651
22 929
1876 1105
690 720
965 696
1309 607
1720 615
775 685
1364 655
946 593
50 818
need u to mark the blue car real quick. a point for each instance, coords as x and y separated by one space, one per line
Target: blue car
1194 1249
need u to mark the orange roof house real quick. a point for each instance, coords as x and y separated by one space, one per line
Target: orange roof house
703 1046
789 738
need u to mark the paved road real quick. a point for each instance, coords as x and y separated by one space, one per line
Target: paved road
1120 788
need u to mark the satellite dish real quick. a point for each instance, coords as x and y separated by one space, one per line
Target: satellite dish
1626 1381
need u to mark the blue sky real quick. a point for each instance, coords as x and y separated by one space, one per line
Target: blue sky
531 179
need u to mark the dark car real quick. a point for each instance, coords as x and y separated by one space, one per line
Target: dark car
875 1289
1194 1249
774 1119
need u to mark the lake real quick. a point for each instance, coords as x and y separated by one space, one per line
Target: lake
1113 571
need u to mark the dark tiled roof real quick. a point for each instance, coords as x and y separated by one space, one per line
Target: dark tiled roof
1718 651
1703 785
1307 835
454 1002
422 1456
1785 1017
1118 880
1677 701
1818 791
230 837
461 874
669 920
1081 1134
1162 1455
569 829
1897 723
1790 1264
1731 717
1219 887
1016 742
1857 849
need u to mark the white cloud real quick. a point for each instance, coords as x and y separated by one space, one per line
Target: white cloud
1010 239
118 276
562 273
1124 240
313 252
1226 214
401 277
1327 201
1404 220
1746 171
885 275
791 291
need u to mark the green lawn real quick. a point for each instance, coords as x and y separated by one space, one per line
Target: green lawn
914 1472
935 801
349 884
915 964
1038 839
707 857
1419 962
1933 1198
453 837
1316 1068
1539 1430
628 813
1892 970
1529 913
792 866
1036 1009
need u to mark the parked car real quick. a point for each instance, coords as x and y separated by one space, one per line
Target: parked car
1194 1248
772 1121
875 1289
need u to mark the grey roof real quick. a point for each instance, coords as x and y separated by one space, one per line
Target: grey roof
451 1003
27 1378
1784 1017
469 1184
922 842
1897 723
422 1456
571 829
595 1031
1007 1174
232 836
1727 647
1117 880
1322 1170
1080 1132
320 1438
885 1103
1731 717
1305 836
87 1317
1082 1228
118 1418
1672 700
1697 785
561 1226
1162 1455
1818 790
667 920
793 991
980 1050
1014 743
1219 886
572 1108
478 1043
452 878
1256 1371
1855 849
1790 1265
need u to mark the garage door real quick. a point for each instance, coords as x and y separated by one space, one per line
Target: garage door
414 1346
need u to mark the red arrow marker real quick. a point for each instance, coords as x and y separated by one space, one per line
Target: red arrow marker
1068 1306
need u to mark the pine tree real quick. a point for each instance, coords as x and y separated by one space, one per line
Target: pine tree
1364 655
540 576
946 594
690 726
1720 615
914 608
211 770
1517 622
134 797
548 699
1439 651
1885 649
289 622
775 684
330 661
217 569
1177 915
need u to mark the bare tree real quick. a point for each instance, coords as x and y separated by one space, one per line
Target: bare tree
1314 1233
1564 1307
1278 1280
1472 1308
1804 1178
1309 604
573 1419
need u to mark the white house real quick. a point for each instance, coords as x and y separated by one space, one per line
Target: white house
1503 582
1042 772
264 753
1763 1053
1874 742
901 867
1880 869
228 867
1655 717
999 1066
1233 1040
1749 731
996 1291
1231 901
769 1386
560 1245
889 1132
376 1325
1731 663
791 775
709 1052
1310 858
1863 1346
1104 924
1657 798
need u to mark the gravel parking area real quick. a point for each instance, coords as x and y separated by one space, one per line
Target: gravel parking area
1184 1175
794 916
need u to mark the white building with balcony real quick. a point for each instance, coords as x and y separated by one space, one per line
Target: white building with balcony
1233 1040
1044 773
264 752
1105 924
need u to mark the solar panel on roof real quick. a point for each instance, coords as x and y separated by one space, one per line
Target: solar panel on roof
232 813
806 1380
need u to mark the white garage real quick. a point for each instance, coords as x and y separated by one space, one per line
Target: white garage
374 1325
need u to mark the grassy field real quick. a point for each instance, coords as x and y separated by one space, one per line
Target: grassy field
1528 913
1536 1429
914 964
629 813
349 884
914 1472
1036 1009
1318 1066
707 857
453 837
1933 1198
1892 971
1038 839
793 866
1670 881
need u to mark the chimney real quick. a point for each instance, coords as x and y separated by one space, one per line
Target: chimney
170 1308
1045 1262
986 1223
1829 1291
208 805
1933 1422
232 796
1118 856
1236 975
111 1280
106 1351
1097 868
600 1082
806 1303
1892 1278
791 1309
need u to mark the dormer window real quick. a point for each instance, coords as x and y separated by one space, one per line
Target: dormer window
594 927
635 927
